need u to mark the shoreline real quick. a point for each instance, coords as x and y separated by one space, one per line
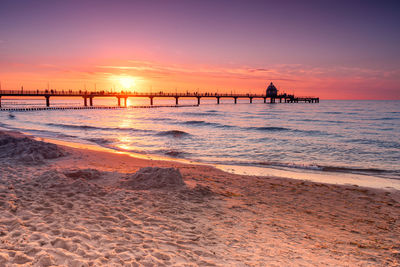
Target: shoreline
318 176
75 209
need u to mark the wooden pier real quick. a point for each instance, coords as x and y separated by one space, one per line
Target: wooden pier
88 97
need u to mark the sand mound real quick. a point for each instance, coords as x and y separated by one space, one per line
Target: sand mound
154 177
86 174
27 150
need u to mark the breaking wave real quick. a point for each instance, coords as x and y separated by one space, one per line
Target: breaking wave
174 134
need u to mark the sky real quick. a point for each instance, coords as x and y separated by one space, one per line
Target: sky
332 49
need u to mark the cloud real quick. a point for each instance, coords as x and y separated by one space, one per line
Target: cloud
150 68
288 75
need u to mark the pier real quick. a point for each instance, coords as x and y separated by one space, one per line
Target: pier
88 97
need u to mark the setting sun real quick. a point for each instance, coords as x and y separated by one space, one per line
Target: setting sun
126 82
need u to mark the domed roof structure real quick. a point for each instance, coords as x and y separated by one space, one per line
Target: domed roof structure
271 90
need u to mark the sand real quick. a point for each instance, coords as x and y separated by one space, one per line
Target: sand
85 208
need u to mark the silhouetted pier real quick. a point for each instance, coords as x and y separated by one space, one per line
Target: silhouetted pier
88 97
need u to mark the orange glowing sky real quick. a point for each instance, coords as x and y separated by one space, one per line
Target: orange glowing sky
337 51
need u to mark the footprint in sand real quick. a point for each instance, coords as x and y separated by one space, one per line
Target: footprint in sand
64 244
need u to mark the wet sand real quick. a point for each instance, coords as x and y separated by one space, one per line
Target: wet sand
74 208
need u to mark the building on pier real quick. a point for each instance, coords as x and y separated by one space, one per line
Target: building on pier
272 91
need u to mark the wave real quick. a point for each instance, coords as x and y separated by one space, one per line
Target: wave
159 119
315 120
333 112
283 129
270 128
250 117
88 127
100 141
380 143
290 165
2 124
174 133
200 114
313 132
317 167
385 119
40 133
350 169
174 153
391 174
204 123
197 123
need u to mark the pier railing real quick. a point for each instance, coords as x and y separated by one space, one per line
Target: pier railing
120 93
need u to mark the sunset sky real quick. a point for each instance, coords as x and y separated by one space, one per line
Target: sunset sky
332 49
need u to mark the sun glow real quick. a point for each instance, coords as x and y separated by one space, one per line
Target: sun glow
127 82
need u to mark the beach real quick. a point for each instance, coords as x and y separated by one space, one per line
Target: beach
79 207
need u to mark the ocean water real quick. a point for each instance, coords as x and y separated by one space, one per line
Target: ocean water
360 137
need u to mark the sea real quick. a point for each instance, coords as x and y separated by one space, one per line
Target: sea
342 141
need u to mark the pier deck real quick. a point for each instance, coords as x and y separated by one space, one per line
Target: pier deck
47 94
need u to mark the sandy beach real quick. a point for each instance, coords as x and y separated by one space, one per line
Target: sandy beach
62 206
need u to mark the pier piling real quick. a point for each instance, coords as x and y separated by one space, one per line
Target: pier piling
47 100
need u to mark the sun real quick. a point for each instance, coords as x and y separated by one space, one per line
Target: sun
126 82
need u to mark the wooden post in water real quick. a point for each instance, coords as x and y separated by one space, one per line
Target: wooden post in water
176 100
119 101
151 100
91 101
0 101
218 99
235 100
198 100
85 101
